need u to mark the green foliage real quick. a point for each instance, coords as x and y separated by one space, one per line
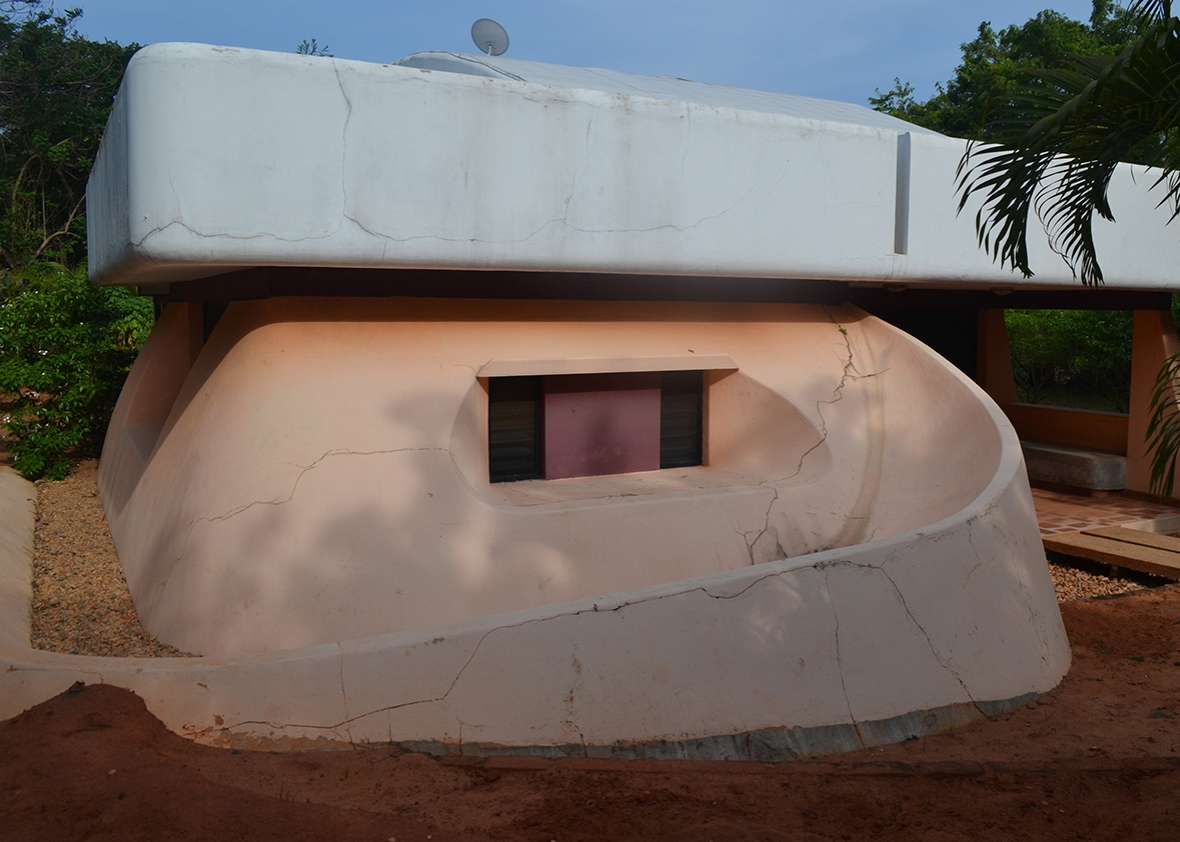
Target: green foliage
56 90
65 346
1163 428
1056 139
312 48
65 349
1072 357
1083 100
995 63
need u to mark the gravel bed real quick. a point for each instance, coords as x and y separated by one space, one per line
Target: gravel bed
1073 583
81 604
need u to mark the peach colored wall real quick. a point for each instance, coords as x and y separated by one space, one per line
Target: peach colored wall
846 648
1090 429
148 397
322 474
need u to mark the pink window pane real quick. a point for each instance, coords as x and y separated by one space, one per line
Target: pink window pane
601 424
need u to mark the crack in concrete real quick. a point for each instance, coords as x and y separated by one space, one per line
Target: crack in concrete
278 502
780 553
350 719
304 469
823 566
929 642
561 220
343 141
979 562
335 728
857 519
225 236
78 670
388 238
850 372
584 168
840 661
344 696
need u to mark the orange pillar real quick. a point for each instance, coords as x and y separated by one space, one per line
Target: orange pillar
1154 340
993 369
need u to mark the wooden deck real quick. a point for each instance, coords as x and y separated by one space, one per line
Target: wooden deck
1124 533
1148 546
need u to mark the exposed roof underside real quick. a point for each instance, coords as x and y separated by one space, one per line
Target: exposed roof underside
657 87
217 159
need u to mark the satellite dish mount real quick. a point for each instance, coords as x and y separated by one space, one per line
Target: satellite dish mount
489 36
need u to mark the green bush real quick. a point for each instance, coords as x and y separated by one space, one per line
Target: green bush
1079 358
65 349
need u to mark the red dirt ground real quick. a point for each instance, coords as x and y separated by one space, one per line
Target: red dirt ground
1098 758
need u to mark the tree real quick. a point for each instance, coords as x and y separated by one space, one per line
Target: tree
312 48
65 345
1049 142
994 63
1057 138
1072 357
56 91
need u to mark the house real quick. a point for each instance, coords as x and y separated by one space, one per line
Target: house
496 405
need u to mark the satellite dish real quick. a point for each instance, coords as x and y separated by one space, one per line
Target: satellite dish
489 36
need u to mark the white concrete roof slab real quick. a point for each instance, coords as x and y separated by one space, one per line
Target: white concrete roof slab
657 87
217 159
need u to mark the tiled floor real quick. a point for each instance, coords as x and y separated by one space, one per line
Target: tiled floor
1059 512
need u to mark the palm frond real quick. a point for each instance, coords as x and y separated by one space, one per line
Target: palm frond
1163 428
1151 10
1058 140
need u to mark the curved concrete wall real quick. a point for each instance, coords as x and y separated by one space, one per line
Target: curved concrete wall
870 644
943 611
322 473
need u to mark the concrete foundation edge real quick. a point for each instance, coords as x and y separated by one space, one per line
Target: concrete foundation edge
770 745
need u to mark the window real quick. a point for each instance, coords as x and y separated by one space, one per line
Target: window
579 425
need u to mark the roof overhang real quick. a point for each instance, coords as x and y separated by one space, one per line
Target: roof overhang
217 159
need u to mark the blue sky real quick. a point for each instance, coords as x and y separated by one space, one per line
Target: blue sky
835 50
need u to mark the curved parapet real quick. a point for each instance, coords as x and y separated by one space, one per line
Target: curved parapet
857 561
322 471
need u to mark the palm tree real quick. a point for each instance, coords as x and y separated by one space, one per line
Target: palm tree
1055 144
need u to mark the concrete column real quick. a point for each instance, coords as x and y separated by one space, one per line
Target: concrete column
994 361
196 328
1154 340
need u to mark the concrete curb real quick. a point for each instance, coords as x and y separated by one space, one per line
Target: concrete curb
18 499
1074 466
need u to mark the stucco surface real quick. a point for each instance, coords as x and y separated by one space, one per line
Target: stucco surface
949 614
322 474
217 158
939 606
856 646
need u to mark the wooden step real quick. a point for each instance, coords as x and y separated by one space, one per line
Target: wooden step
1134 549
1136 536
